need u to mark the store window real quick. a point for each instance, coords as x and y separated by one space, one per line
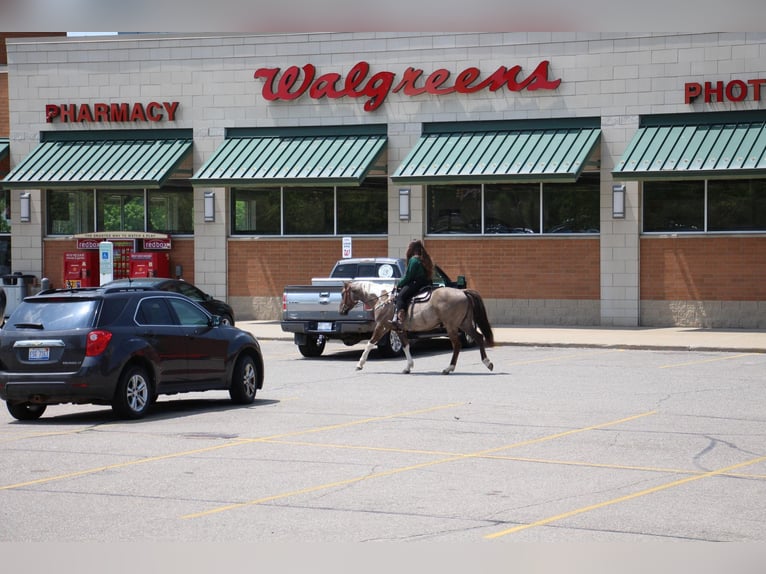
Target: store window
572 207
69 212
702 206
170 210
328 210
514 208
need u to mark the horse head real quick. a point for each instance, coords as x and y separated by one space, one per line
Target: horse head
347 298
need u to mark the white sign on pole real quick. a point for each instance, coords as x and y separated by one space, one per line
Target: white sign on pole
105 262
346 248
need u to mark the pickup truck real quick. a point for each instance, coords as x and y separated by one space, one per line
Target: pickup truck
311 312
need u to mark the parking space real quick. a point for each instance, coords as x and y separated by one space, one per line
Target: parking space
570 444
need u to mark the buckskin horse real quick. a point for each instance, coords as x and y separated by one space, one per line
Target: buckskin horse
454 309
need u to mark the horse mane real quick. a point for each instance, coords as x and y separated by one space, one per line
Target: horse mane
371 288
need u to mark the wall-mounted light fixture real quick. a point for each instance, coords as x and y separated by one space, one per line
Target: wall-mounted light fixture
25 211
404 204
209 206
618 201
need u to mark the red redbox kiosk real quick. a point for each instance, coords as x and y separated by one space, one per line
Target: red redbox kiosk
81 269
150 264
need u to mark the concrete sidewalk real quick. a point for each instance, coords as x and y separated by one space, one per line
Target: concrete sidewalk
673 338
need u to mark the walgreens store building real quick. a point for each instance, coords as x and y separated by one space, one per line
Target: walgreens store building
573 178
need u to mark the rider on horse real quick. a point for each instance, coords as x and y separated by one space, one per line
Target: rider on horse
419 273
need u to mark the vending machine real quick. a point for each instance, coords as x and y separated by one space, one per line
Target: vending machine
150 264
81 269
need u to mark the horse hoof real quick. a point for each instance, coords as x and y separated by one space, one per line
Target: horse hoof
446 371
406 372
488 364
358 368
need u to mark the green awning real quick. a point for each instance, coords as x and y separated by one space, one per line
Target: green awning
144 163
529 153
695 150
5 148
292 159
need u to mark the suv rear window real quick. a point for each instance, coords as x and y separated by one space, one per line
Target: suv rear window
53 314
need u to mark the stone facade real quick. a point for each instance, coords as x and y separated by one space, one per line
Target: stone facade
617 77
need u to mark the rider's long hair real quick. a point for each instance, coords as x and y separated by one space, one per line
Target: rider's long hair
416 248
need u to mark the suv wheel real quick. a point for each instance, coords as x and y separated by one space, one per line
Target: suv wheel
244 381
25 411
134 393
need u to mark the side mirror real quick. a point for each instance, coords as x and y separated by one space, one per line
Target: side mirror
215 321
461 284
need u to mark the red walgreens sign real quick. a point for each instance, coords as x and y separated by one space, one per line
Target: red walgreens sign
294 82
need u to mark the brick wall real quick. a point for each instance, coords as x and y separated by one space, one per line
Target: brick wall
703 268
261 268
523 268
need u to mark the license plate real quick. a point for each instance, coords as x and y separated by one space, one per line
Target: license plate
39 354
324 326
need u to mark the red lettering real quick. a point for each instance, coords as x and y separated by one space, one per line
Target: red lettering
711 91
411 75
377 89
691 91
101 112
736 91
268 74
138 113
756 88
170 108
465 78
355 78
84 115
435 80
119 112
68 113
151 114
325 86
289 78
51 111
288 85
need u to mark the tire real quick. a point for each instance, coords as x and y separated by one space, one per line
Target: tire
134 393
26 411
244 381
314 346
390 345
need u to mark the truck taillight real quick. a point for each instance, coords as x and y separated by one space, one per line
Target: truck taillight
97 342
284 302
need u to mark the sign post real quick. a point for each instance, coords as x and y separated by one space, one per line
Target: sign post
105 262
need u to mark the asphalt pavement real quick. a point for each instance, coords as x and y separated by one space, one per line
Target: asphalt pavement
671 338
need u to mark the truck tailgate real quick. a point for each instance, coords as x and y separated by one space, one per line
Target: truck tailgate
314 303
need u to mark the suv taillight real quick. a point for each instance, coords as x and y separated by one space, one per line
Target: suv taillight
97 342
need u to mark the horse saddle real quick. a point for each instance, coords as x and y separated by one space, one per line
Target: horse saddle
422 296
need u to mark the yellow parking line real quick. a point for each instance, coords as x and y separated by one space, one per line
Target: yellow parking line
399 470
237 442
556 462
713 360
638 494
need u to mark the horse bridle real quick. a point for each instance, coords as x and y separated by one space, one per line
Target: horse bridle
346 308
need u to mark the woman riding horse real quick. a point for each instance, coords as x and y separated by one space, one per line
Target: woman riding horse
420 270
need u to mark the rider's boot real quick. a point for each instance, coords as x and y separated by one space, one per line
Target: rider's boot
398 321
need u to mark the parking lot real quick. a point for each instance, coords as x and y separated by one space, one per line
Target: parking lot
555 444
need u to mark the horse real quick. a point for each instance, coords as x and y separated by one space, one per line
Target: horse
454 309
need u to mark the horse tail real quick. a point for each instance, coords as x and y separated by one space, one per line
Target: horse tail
480 316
